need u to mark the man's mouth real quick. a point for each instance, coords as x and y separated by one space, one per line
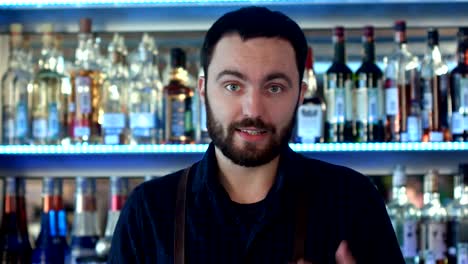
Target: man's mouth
252 131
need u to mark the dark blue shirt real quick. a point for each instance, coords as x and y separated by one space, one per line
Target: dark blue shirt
342 205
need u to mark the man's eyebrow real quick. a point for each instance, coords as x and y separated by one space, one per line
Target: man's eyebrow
278 75
231 72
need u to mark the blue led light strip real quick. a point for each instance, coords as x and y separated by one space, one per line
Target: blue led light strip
174 149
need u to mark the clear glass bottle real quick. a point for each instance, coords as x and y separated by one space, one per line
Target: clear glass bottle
46 94
433 225
404 217
401 86
459 89
145 95
434 88
114 94
311 114
16 83
119 191
85 231
177 102
86 82
368 93
338 94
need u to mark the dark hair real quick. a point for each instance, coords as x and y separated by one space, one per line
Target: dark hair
253 22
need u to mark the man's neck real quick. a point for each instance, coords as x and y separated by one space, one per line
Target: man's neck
246 185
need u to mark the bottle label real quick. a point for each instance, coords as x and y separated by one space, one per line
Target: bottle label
340 108
309 122
113 120
349 101
330 100
176 116
142 120
427 110
465 122
83 95
21 120
53 127
111 138
39 128
457 123
464 94
81 131
436 235
373 103
410 242
8 123
435 136
391 101
414 129
362 107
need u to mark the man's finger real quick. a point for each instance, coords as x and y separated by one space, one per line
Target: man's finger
343 254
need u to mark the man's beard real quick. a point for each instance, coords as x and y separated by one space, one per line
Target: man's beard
248 155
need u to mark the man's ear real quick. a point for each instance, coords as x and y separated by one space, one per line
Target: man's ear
302 92
201 87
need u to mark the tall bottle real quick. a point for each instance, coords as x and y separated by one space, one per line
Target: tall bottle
368 93
85 232
404 217
15 95
49 247
177 107
46 94
338 93
459 89
433 225
86 82
434 87
145 95
61 216
114 94
119 192
311 114
14 238
401 87
457 217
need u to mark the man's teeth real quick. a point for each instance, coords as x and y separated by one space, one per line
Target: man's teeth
253 132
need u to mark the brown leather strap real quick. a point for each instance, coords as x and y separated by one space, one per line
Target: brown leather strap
179 228
300 231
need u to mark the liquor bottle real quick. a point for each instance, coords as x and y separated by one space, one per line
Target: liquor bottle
434 87
65 89
119 192
145 95
15 95
14 238
338 94
46 94
114 94
86 82
85 232
48 245
433 225
459 89
404 217
177 105
368 93
414 122
311 114
61 220
455 215
400 85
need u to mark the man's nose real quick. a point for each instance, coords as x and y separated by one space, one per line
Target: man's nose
253 104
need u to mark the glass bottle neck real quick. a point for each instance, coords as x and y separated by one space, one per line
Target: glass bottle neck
369 52
462 55
340 52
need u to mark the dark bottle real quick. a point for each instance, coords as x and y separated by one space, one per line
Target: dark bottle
338 95
48 244
14 239
459 90
177 102
434 87
311 114
401 87
368 93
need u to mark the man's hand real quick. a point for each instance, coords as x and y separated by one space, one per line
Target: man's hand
342 256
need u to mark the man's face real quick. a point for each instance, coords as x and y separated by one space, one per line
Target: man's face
251 98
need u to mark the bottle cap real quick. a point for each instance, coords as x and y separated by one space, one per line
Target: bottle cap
368 32
400 25
178 58
85 25
399 176
432 37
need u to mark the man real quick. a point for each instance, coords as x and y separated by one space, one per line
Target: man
251 199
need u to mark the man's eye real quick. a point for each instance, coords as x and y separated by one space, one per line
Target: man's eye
232 87
275 89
